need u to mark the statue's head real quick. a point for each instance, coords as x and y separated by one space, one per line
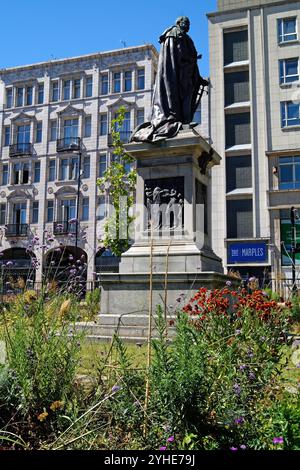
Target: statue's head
184 23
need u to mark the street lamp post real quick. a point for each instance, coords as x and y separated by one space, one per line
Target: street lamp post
78 200
294 216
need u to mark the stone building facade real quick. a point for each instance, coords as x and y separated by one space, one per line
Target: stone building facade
255 119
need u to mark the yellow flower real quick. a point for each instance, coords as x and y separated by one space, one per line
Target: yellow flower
56 405
41 417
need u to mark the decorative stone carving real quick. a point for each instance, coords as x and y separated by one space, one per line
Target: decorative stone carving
85 187
50 190
3 194
35 191
164 199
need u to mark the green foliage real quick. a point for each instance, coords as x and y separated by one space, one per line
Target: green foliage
214 385
42 355
92 300
121 185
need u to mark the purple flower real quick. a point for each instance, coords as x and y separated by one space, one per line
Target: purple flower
252 376
242 367
238 332
243 447
116 388
239 420
278 440
237 389
250 353
163 448
170 439
228 283
234 449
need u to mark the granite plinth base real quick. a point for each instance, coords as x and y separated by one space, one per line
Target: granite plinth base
130 292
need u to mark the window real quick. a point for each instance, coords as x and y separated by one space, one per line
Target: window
141 79
101 208
239 219
9 97
285 236
4 180
235 46
140 117
102 165
37 172
2 214
69 168
117 82
55 91
104 84
125 128
53 130
23 137
20 173
89 87
289 172
68 210
238 172
39 132
197 116
35 212
86 167
40 93
20 96
238 129
236 87
128 80
29 95
287 30
290 114
67 89
6 136
50 211
51 170
19 213
88 126
103 124
85 209
289 70
76 88
70 129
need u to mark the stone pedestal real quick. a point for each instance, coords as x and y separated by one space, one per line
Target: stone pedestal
172 227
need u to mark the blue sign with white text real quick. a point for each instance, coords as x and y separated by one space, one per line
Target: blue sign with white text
252 252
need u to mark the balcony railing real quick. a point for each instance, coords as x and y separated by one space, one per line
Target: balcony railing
124 136
63 227
17 150
16 230
68 144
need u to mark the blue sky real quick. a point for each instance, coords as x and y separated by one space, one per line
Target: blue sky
38 30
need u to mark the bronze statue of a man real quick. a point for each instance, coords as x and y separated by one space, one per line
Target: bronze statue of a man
177 86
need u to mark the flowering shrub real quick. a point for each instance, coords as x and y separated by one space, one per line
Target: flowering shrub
217 378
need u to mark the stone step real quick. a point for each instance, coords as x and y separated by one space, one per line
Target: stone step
127 320
110 330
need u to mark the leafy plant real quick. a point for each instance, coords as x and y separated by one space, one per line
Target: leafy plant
121 183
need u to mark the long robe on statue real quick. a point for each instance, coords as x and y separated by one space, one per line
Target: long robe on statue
176 88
